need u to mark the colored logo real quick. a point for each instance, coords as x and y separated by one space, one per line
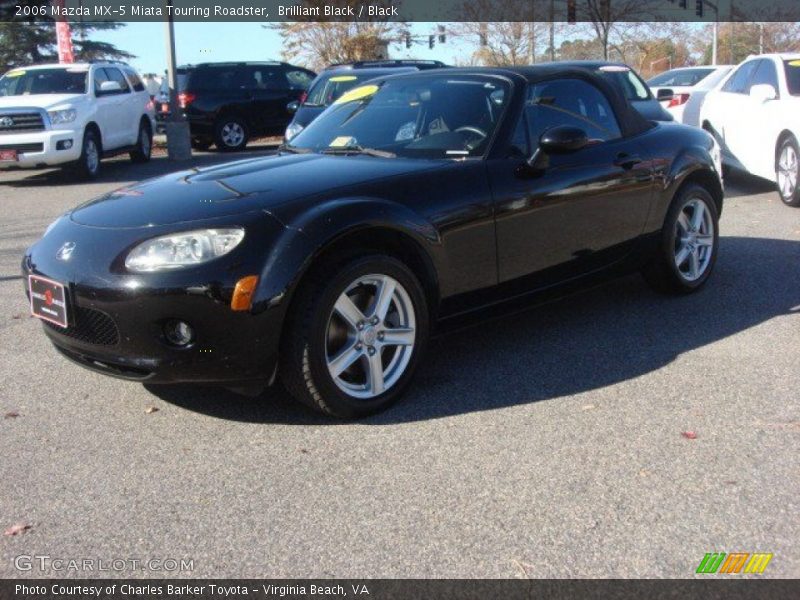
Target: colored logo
735 562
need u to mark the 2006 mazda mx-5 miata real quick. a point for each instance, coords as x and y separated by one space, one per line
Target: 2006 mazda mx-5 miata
413 199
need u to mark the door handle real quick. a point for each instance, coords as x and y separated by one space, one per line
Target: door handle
626 161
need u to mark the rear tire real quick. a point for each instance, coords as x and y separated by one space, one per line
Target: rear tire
144 145
88 165
231 134
787 172
344 353
688 246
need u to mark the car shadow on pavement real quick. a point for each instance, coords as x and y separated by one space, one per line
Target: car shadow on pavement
600 337
122 171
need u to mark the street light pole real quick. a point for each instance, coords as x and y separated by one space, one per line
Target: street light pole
179 146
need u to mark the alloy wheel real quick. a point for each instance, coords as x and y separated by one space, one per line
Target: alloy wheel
370 336
232 134
787 171
694 239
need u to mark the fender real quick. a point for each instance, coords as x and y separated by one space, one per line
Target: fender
310 232
688 162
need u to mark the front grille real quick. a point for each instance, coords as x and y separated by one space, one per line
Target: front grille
32 121
89 326
22 148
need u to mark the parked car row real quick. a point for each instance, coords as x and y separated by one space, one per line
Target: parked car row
752 110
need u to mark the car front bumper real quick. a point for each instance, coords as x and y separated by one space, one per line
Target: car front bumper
116 319
41 148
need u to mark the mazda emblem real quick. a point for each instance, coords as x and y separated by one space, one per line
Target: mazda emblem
6 122
65 251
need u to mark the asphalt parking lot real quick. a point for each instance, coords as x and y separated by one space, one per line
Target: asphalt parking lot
544 444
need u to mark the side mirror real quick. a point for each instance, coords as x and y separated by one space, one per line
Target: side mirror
763 92
293 106
110 87
561 139
665 94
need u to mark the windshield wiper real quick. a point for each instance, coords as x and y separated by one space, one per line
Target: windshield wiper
293 149
347 150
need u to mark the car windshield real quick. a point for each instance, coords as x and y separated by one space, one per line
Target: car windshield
792 68
421 117
327 89
682 77
19 82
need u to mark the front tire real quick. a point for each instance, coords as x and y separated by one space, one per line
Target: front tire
355 336
231 134
144 145
787 170
88 165
688 246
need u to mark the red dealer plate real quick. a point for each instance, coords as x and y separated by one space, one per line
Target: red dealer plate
8 156
48 300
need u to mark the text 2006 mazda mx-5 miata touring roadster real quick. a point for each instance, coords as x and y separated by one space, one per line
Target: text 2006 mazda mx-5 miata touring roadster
413 199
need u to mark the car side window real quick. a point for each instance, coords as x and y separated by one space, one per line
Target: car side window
116 75
765 73
100 77
135 80
739 81
299 80
267 78
572 102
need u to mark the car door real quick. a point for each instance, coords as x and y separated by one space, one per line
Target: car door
128 109
759 132
729 112
269 89
111 108
575 212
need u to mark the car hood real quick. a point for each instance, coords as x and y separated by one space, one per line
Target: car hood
240 187
45 101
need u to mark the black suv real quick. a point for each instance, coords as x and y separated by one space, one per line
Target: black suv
228 103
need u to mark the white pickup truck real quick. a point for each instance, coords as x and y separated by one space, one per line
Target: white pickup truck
73 115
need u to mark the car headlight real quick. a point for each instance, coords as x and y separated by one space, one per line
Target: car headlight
183 249
67 115
293 129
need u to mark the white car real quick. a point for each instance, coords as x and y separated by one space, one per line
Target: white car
755 116
73 114
682 91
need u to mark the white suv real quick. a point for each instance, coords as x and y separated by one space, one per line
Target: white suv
755 115
73 114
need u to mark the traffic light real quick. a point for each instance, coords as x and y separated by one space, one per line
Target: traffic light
698 8
431 41
572 11
442 36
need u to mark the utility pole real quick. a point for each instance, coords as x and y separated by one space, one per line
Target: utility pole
531 44
552 31
179 145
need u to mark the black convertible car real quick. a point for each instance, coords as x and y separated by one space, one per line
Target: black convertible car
411 201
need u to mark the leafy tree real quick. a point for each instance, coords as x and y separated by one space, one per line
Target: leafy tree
26 43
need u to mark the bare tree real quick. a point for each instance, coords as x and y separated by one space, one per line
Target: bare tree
610 18
501 44
317 44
